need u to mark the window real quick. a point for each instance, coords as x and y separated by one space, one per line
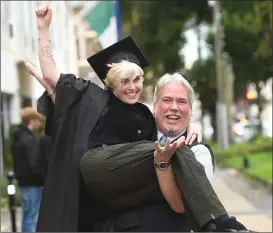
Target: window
10 27
78 49
6 18
10 23
26 102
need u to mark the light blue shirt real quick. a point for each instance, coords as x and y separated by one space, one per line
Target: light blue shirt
202 155
159 135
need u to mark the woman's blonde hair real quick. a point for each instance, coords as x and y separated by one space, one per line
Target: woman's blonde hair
120 71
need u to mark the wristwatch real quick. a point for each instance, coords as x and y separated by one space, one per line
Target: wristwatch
162 165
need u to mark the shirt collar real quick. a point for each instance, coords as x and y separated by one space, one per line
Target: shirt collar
159 135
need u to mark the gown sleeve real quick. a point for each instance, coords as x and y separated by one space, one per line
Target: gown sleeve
68 90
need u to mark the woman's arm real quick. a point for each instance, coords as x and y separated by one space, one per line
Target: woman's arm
32 70
193 131
47 63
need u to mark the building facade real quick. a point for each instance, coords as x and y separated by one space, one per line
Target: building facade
19 40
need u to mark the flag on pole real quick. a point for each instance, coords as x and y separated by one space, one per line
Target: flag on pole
101 16
119 21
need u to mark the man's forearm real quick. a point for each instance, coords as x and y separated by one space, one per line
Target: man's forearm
170 189
47 63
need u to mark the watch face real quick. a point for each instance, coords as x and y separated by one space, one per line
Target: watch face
163 165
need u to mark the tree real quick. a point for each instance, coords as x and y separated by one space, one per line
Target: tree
202 77
157 27
247 41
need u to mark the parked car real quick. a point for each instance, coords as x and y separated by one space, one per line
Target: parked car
245 130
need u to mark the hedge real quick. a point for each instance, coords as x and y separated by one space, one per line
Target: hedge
257 152
257 144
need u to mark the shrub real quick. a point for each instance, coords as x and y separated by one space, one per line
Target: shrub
7 156
257 144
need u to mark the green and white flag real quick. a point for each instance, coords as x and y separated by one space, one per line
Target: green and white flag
100 15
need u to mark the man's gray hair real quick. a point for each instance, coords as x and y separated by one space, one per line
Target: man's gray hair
174 77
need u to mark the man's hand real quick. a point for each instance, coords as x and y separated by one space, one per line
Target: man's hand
44 16
165 153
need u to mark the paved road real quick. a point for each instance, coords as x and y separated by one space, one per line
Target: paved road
249 204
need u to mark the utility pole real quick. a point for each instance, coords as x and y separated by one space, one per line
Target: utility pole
221 108
1 145
229 95
1 154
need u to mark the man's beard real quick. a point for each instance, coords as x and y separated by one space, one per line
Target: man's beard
171 131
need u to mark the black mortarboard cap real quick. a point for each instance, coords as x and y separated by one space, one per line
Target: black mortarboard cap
125 49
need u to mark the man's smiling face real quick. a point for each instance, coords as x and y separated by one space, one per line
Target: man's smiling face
172 109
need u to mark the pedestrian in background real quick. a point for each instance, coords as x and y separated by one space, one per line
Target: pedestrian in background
27 166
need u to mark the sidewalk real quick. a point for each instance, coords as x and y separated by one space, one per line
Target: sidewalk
5 220
237 205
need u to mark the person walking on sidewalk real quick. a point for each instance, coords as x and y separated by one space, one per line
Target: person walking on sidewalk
27 167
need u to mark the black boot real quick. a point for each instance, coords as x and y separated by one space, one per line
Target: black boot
230 225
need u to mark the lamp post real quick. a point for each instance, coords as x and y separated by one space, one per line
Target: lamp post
221 107
12 206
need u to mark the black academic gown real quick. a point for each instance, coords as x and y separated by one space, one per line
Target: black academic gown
59 208
66 205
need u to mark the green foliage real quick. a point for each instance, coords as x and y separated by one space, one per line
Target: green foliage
7 159
4 202
260 164
258 151
202 77
157 27
257 144
7 148
246 42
